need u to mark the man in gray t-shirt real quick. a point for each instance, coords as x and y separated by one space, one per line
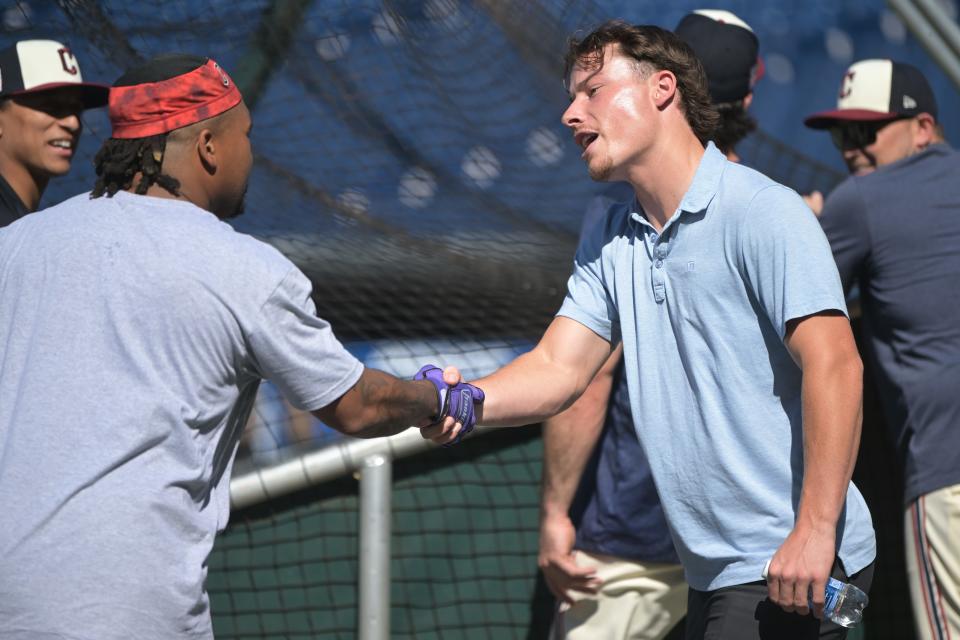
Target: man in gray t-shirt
135 327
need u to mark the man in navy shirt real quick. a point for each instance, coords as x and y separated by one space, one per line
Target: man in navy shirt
895 230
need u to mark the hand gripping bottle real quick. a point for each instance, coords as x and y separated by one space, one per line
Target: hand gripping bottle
844 603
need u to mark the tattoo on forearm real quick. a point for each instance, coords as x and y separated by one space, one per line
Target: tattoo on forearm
396 404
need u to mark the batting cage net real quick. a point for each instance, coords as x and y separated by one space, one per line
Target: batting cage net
410 159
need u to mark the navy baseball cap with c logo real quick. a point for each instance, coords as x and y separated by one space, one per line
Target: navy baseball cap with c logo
875 90
41 65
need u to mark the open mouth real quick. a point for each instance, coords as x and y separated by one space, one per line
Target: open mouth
62 144
585 139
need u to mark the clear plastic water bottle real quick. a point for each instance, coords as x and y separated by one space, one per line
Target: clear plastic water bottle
843 603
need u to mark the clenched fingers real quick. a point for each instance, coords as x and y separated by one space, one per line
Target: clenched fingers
443 432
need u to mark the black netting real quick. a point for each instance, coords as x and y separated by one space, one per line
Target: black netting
463 552
409 154
409 158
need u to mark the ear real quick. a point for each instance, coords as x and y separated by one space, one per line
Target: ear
924 131
207 151
747 100
664 86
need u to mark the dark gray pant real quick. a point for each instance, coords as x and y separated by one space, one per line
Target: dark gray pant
743 612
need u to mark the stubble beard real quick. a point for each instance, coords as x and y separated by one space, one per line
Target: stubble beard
601 172
240 207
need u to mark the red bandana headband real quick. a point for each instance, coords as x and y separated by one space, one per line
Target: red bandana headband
148 109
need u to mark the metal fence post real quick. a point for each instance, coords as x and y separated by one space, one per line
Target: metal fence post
376 483
922 19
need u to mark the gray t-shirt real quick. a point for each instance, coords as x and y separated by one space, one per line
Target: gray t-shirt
133 334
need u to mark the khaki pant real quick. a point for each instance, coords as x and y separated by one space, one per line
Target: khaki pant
636 601
932 537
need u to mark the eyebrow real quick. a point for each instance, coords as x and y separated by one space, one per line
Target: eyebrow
579 86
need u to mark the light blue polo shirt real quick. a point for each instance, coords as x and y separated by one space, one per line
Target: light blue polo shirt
702 310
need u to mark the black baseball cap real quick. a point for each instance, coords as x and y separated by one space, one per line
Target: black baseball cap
728 50
878 89
41 65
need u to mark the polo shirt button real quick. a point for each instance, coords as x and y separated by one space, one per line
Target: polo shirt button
659 263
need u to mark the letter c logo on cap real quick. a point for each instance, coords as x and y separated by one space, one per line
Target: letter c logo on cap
68 61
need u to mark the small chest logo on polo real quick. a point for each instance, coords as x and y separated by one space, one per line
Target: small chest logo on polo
691 266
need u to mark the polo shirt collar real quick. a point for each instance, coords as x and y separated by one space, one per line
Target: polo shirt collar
706 181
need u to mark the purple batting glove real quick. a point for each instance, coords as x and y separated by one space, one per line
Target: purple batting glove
458 401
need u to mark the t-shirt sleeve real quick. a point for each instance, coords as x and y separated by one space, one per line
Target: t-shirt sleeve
297 351
844 222
588 300
786 259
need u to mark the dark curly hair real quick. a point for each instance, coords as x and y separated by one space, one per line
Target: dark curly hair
661 50
120 160
735 125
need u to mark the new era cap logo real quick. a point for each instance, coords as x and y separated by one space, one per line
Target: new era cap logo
909 103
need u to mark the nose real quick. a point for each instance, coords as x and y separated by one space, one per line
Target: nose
71 122
572 117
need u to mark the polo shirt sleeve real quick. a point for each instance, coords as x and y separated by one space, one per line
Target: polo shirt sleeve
786 260
588 300
844 221
297 351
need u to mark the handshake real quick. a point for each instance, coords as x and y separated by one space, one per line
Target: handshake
458 404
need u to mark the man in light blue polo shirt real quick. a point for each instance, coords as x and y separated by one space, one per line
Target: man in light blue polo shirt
723 290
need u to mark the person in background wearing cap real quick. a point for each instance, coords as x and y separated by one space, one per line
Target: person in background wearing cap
120 417
894 226
729 51
850 125
42 93
615 571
